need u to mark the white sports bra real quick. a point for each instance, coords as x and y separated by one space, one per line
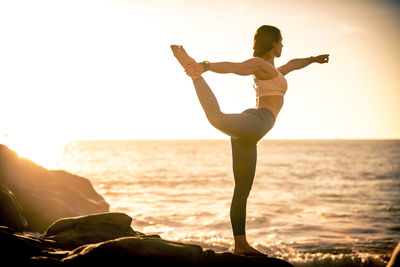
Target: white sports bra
274 86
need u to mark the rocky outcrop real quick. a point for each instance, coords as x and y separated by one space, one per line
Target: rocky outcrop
37 197
107 238
70 233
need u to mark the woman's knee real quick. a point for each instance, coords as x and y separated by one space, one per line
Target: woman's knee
215 118
241 193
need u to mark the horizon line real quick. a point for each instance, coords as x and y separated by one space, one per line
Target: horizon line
267 139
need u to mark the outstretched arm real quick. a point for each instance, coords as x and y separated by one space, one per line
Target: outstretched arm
253 66
247 67
299 63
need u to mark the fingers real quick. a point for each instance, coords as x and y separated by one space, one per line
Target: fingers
323 58
194 69
191 66
192 72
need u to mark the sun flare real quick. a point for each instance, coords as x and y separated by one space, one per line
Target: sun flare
46 153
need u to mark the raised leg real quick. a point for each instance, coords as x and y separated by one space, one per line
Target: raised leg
244 125
209 102
206 97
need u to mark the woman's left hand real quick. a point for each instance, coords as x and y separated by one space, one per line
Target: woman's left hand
322 58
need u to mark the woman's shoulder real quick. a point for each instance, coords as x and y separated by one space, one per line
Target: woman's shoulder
267 70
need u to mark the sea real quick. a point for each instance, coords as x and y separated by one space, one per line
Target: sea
313 202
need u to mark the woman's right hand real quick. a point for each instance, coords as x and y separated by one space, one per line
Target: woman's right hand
194 69
322 58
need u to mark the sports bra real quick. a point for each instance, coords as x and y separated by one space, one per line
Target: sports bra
274 86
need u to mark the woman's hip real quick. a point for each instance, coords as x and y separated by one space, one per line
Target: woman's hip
251 125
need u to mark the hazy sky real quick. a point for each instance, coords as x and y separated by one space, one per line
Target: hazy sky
103 69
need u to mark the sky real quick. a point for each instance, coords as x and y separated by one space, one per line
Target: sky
102 69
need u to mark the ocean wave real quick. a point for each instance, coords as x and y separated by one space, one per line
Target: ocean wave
300 255
341 261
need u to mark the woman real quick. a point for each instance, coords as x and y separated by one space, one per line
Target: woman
248 127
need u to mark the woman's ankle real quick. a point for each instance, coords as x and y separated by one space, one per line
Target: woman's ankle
241 241
196 78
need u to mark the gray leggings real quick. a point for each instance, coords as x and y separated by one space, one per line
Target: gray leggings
245 130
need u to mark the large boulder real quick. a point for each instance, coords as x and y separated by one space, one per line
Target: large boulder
46 195
143 251
70 233
149 250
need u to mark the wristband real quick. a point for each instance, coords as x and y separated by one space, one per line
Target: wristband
206 65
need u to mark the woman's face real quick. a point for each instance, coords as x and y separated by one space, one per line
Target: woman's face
278 47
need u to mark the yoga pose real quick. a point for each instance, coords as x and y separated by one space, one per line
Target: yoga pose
248 127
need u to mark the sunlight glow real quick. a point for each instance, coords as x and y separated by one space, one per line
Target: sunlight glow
103 69
42 151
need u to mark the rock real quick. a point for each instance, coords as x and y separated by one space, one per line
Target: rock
11 210
152 251
108 237
18 248
70 233
230 259
135 248
45 195
155 252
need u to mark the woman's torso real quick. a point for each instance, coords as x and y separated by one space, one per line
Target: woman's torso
270 92
273 103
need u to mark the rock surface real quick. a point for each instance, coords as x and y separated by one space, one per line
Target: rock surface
11 210
107 238
42 196
70 233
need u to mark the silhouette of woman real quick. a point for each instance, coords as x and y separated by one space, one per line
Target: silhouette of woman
248 127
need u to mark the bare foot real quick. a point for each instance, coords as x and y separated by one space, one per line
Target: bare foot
192 68
249 251
242 247
183 58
